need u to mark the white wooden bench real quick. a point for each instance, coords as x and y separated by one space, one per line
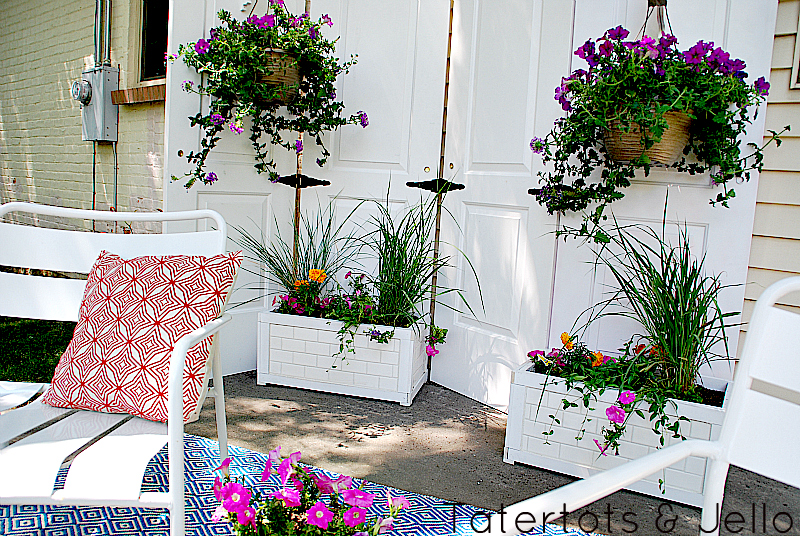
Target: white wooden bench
36 439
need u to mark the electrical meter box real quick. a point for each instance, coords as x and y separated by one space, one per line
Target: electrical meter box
94 93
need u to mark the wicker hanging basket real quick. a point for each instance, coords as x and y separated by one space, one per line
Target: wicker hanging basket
627 146
281 70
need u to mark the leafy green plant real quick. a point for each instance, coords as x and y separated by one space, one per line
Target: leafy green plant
587 375
233 62
631 85
404 248
666 289
323 248
299 506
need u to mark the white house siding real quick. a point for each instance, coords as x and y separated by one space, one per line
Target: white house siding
775 251
44 47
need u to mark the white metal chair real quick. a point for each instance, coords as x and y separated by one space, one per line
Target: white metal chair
36 439
760 432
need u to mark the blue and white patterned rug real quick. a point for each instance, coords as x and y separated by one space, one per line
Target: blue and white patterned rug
428 516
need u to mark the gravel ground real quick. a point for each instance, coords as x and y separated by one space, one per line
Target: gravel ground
450 446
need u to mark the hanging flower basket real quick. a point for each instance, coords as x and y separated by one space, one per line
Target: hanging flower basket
625 145
280 70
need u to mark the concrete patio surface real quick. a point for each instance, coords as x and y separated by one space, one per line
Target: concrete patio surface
449 446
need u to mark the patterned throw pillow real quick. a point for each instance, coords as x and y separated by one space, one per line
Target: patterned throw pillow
132 313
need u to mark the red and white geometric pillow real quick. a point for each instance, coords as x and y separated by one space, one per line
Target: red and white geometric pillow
132 313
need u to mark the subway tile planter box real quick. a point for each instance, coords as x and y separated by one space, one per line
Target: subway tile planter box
564 454
296 351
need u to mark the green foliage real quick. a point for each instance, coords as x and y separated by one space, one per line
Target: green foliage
403 245
665 288
232 61
588 375
30 349
632 84
322 246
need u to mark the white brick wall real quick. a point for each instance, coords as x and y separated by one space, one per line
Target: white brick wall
44 46
525 439
299 352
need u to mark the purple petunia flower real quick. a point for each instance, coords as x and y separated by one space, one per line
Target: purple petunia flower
202 46
276 3
626 397
313 32
211 178
761 86
327 20
236 128
298 146
586 50
606 48
667 40
617 34
362 118
694 55
217 119
213 33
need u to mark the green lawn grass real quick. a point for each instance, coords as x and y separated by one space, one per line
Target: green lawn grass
30 349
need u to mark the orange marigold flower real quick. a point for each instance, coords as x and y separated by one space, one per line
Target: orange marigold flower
598 359
318 276
566 340
300 283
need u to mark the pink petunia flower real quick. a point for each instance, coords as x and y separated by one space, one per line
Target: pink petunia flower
431 351
398 502
615 414
627 397
238 497
326 484
247 517
219 513
354 516
602 448
224 465
356 497
218 489
319 515
290 497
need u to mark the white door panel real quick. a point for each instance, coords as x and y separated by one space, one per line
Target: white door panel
398 81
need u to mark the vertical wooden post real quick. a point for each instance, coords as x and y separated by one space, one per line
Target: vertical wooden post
440 175
297 188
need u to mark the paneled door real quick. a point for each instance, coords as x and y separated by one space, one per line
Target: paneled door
720 234
507 57
399 81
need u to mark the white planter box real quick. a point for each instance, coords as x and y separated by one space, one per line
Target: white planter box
564 454
295 351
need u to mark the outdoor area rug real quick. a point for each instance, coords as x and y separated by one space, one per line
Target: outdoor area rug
428 516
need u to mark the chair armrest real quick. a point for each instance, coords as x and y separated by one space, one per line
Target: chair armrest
555 503
176 362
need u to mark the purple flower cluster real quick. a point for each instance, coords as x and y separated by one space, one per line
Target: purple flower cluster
211 178
236 128
267 21
362 118
217 119
538 145
298 146
276 3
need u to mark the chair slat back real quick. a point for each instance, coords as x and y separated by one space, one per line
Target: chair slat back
761 432
42 298
59 250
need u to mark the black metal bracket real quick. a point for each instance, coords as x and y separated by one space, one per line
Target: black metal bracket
436 185
305 181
